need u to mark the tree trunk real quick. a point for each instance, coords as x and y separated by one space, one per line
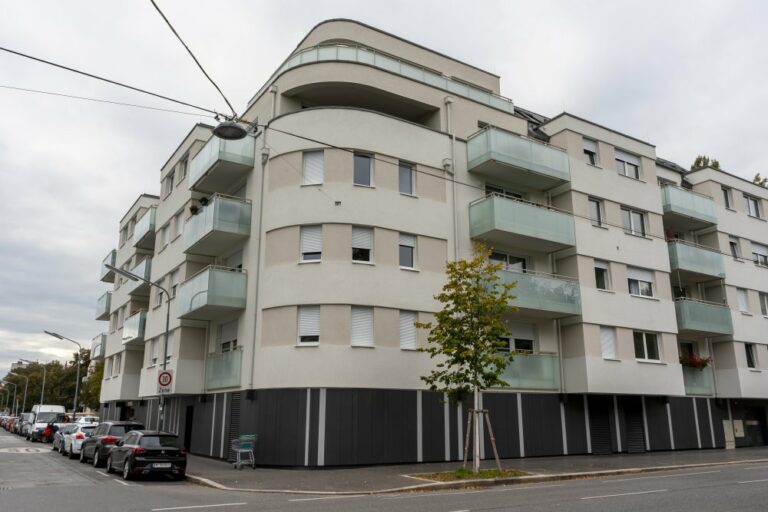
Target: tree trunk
476 428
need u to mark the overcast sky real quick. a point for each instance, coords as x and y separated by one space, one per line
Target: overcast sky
689 77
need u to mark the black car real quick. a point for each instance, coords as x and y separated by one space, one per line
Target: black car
103 438
142 452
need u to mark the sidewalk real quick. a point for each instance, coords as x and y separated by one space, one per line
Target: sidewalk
388 478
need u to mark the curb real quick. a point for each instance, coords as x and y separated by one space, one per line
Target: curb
492 482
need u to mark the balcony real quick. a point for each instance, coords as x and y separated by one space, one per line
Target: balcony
506 221
221 163
686 210
224 222
509 158
698 382
144 231
695 260
98 345
143 269
107 275
103 306
210 293
133 328
223 370
543 295
533 371
699 317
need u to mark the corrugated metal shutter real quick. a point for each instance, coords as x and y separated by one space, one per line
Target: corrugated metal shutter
313 168
362 326
640 274
309 320
362 238
311 239
608 342
234 424
407 240
407 330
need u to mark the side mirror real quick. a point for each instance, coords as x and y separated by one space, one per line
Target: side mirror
119 443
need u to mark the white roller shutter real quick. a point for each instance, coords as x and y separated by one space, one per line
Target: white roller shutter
640 274
311 239
362 326
407 240
229 331
741 294
362 238
522 331
309 321
407 330
608 342
626 157
313 168
590 145
601 264
759 249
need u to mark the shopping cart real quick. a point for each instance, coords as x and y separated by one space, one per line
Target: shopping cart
243 448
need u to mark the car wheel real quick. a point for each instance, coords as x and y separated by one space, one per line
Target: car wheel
127 470
82 456
96 461
109 464
70 454
61 449
181 475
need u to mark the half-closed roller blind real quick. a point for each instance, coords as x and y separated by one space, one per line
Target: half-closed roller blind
626 157
608 342
408 330
407 240
522 331
309 320
229 331
362 326
640 274
311 239
601 264
313 168
759 249
362 238
590 145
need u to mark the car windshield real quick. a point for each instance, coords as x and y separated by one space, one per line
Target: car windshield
120 430
159 442
47 417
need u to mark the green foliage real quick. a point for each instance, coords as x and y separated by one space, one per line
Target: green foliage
758 180
91 388
702 161
466 335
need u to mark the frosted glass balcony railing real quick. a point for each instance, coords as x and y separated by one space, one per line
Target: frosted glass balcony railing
133 327
390 63
508 157
508 221
703 317
533 371
144 231
697 259
210 293
698 382
221 163
222 223
223 370
547 295
107 275
143 269
688 204
103 305
97 346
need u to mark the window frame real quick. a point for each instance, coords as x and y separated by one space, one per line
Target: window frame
355 160
369 248
752 200
411 330
368 313
590 155
743 307
304 175
645 344
734 244
302 253
751 353
600 206
640 282
630 230
763 299
309 342
614 354
621 160
727 197
607 274
401 165
412 251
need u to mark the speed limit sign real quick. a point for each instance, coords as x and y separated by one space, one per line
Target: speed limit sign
164 381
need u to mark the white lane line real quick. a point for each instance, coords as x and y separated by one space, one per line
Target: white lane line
622 494
103 474
428 495
200 506
330 497
658 476
755 467
754 481
123 483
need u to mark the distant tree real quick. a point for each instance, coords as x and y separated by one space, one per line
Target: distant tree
91 390
703 161
758 180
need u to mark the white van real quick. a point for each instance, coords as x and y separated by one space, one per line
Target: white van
44 414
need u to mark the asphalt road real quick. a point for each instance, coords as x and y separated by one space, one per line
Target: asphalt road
33 478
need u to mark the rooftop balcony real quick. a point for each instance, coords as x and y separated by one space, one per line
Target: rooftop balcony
107 275
507 221
533 371
705 318
212 292
695 260
686 210
223 370
103 306
220 225
144 231
133 328
98 345
509 158
698 382
221 163
143 269
543 295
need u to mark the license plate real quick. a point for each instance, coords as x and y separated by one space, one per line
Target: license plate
162 465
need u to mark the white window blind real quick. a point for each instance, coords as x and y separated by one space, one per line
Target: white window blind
741 294
407 240
362 326
640 274
362 238
408 330
309 323
522 331
313 168
311 242
626 157
590 145
601 264
759 249
228 331
153 355
608 342
171 336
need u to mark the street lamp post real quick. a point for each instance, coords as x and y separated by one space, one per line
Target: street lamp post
7 394
26 385
42 391
77 361
134 277
13 404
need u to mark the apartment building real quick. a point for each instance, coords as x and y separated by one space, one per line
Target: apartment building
296 261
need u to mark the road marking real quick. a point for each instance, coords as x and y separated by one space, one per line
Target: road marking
522 487
124 483
24 450
200 506
330 497
659 476
428 495
756 467
623 494
103 474
754 481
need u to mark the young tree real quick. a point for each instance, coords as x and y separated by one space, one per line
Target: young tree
92 387
466 336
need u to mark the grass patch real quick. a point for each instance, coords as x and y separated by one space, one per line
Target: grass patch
467 474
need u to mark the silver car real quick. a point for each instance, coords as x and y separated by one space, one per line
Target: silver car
73 440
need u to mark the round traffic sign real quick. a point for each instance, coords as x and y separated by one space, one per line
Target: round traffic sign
164 378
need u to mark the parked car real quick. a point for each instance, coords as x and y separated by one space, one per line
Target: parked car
44 415
21 426
103 438
88 420
73 439
58 436
144 452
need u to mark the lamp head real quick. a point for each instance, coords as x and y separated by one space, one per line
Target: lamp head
230 130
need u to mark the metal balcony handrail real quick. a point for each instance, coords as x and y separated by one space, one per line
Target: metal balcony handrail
213 196
138 312
542 274
671 185
701 301
518 200
214 267
518 135
692 244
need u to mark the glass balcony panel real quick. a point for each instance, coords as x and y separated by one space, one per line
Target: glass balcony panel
210 293
98 345
103 305
327 53
108 276
223 370
548 295
222 223
534 371
686 209
695 259
698 382
143 269
220 163
133 327
144 231
703 317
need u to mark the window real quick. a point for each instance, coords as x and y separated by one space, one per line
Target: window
309 324
228 336
311 243
522 339
118 362
169 347
627 165
602 275
590 151
727 197
608 342
733 243
763 303
153 344
596 211
640 281
509 194
313 168
362 244
178 224
508 261
123 235
121 316
753 206
113 322
407 251
168 184
182 169
160 294
760 254
743 298
110 363
646 346
406 175
749 348
687 350
174 282
363 170
362 326
408 330
633 221
163 235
